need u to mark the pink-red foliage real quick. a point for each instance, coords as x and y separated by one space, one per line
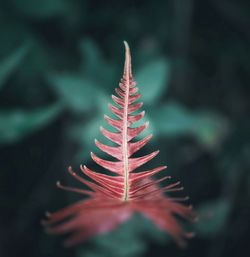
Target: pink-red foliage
114 198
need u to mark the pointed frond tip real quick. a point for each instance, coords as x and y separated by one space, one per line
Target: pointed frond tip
126 44
123 189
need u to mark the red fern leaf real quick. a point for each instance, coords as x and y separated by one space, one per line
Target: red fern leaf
113 199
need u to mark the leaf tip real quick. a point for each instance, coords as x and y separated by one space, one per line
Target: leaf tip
127 64
126 45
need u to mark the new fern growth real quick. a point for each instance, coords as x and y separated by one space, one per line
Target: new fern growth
114 198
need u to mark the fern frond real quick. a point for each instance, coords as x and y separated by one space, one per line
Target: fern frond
115 197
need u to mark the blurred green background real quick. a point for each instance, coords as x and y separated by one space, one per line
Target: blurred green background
60 61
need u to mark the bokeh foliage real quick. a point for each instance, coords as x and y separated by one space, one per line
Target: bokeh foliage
60 61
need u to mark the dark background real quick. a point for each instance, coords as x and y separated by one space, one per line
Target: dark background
59 62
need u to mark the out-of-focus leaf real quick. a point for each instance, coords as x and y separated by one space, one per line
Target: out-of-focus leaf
95 66
210 128
41 8
91 56
9 65
78 93
172 119
128 240
38 62
13 33
153 80
16 124
84 134
213 217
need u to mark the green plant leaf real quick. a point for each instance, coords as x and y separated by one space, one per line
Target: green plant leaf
173 119
79 94
153 80
84 134
214 216
92 58
11 63
16 124
95 66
